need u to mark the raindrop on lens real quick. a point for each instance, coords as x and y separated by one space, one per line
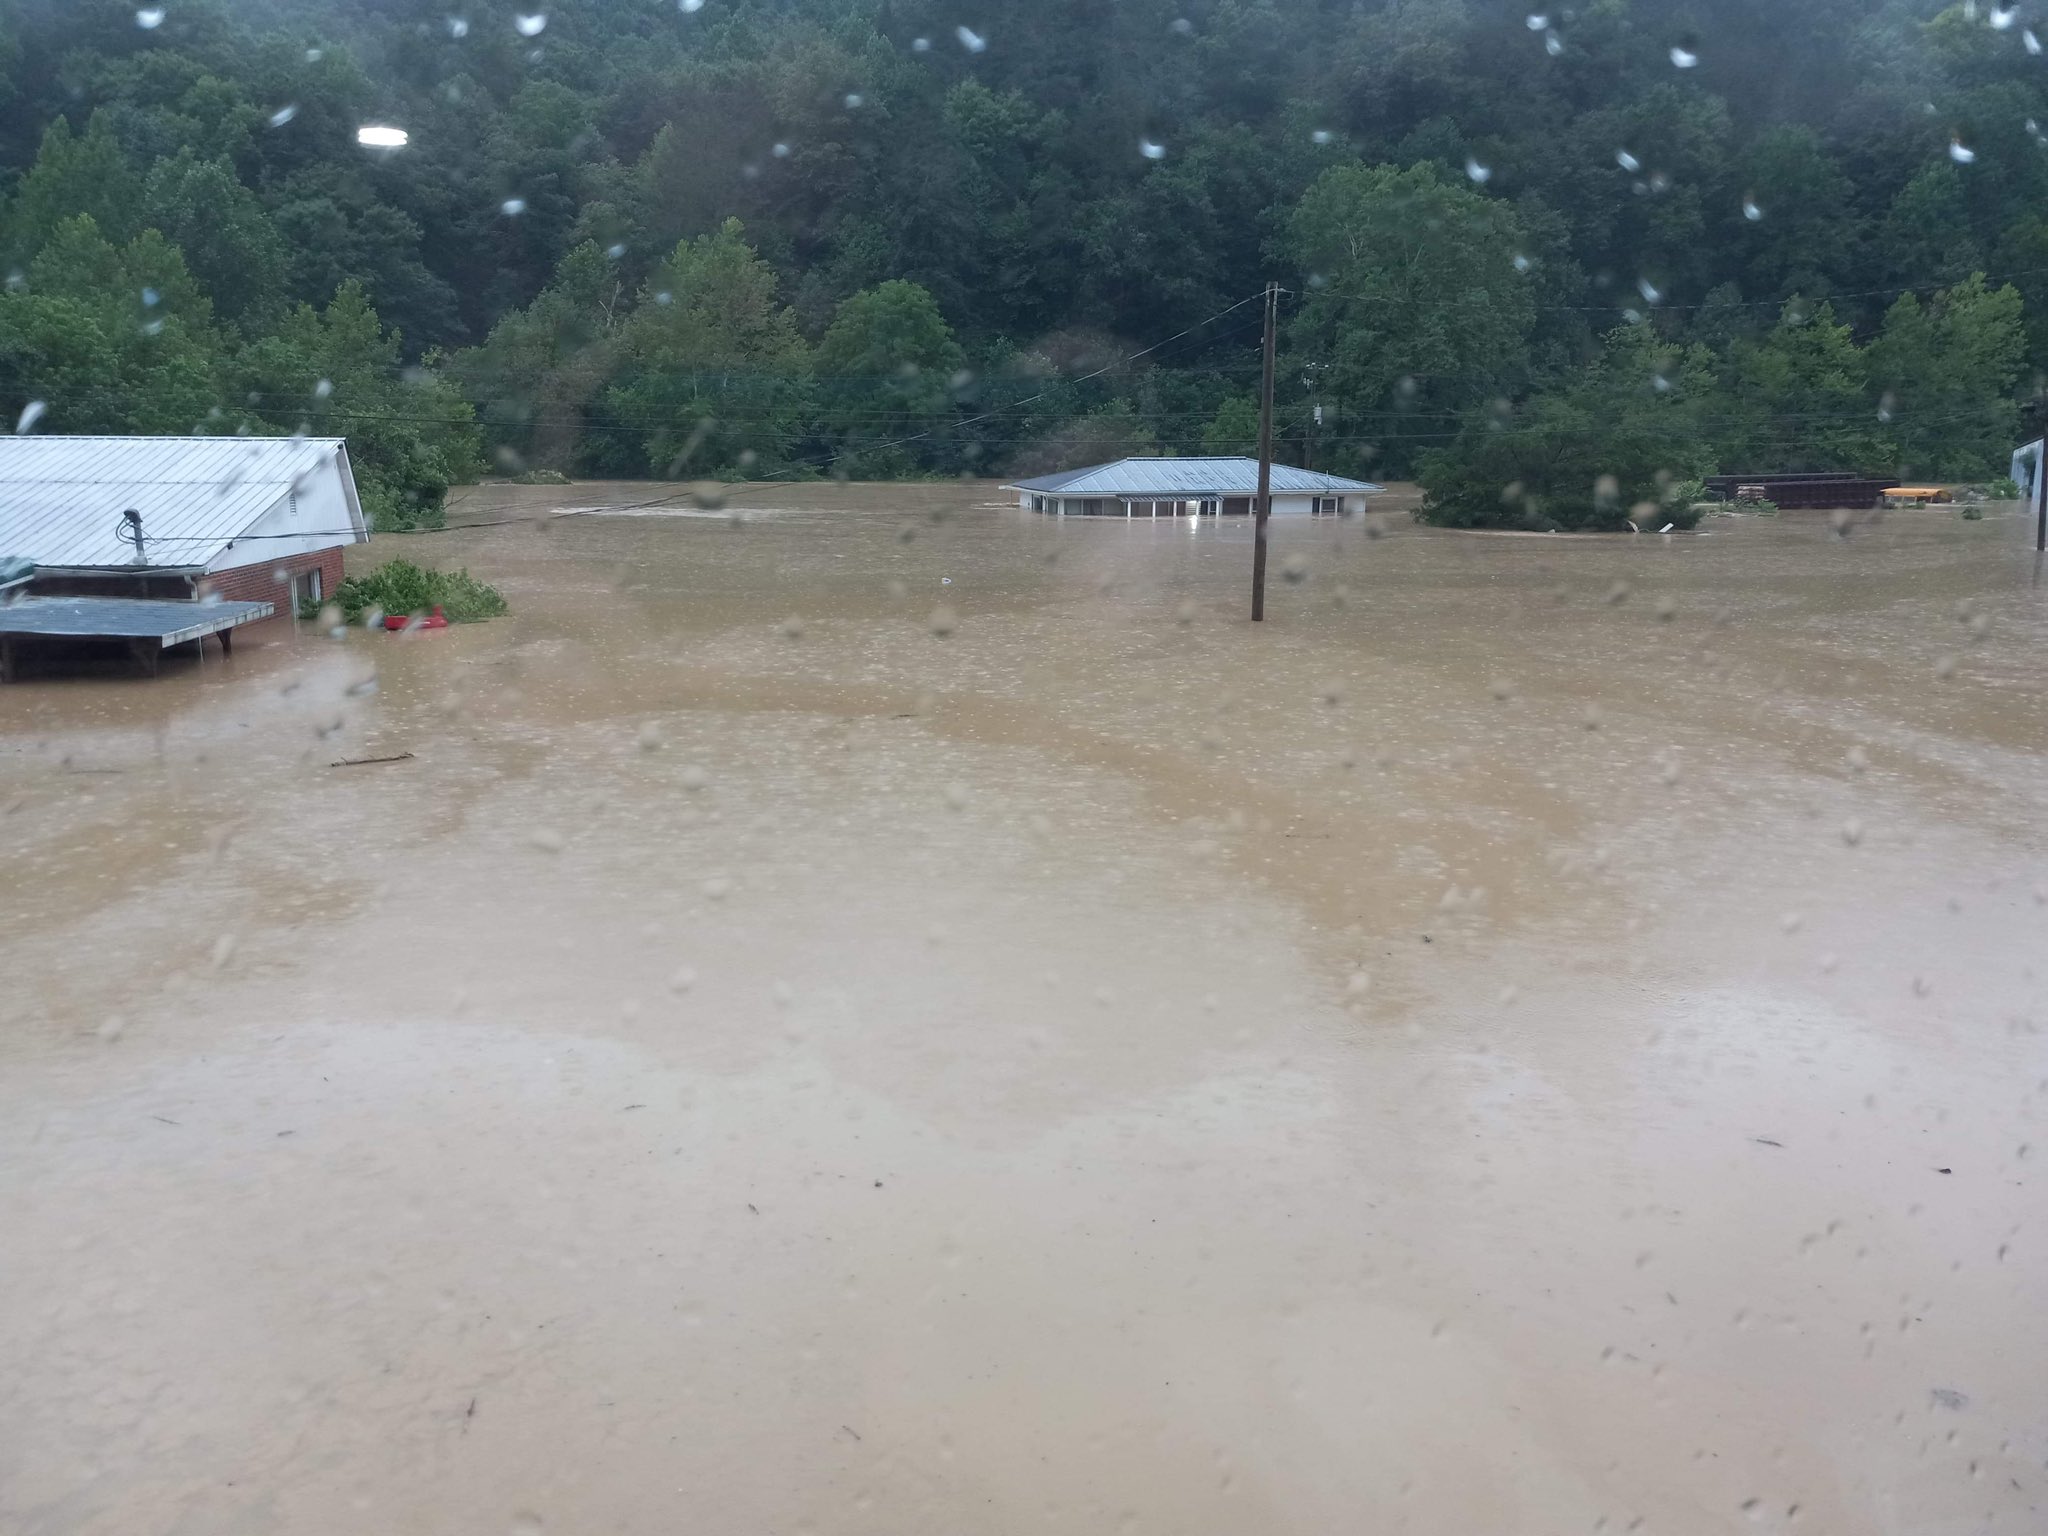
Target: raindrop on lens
531 26
2003 16
1627 161
970 39
458 26
30 414
1150 150
1321 136
1481 174
1536 21
282 116
1553 44
1684 58
512 207
1959 153
1750 211
855 101
149 20
2033 43
380 136
690 6
1522 263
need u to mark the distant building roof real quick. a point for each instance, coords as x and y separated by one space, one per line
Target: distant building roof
1188 477
61 498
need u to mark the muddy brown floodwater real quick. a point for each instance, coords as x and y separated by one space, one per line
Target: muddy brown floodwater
893 1015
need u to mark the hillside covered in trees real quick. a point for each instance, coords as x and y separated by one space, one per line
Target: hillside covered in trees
1527 254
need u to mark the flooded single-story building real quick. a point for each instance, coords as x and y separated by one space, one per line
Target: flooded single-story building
1191 487
259 519
2026 469
145 543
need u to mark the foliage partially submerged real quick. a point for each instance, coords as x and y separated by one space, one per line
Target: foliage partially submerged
1608 452
399 586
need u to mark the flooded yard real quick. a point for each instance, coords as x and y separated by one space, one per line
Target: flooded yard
866 1010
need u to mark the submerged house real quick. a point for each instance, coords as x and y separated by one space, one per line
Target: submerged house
258 518
1220 487
160 541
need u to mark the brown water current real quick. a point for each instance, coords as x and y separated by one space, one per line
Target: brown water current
868 1011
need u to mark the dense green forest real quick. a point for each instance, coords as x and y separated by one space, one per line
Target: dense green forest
1549 261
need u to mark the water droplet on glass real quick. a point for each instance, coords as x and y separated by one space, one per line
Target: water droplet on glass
1684 58
792 628
282 116
1651 293
855 101
1945 666
2033 43
1181 26
1294 569
718 887
943 621
1852 832
458 27
956 795
920 45
2003 16
1151 150
223 951
315 55
1627 161
1959 153
780 151
512 207
31 413
970 39
694 778
1321 136
1553 44
531 26
1536 21
683 979
1480 174
1522 263
149 20
382 136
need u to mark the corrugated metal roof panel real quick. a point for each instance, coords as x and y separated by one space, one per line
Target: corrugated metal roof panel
119 618
1189 477
61 498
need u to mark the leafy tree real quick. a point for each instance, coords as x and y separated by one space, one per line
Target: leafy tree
886 366
74 174
1799 399
1234 429
541 366
338 372
1947 369
715 375
1603 451
229 241
1413 304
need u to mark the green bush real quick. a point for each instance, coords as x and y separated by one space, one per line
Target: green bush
399 586
1972 514
2007 489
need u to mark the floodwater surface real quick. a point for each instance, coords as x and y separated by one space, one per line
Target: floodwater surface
868 1011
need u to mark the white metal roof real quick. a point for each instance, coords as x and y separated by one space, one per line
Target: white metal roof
1189 477
61 498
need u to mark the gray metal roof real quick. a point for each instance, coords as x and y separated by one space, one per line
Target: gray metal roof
61 498
1189 477
169 620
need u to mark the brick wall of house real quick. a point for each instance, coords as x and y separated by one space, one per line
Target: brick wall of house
260 582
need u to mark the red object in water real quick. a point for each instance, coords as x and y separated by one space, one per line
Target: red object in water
398 622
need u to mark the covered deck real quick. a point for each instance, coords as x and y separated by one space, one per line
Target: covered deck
145 626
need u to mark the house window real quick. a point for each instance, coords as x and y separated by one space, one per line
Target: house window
313 591
1091 505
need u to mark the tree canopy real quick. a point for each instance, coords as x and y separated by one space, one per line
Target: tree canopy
872 236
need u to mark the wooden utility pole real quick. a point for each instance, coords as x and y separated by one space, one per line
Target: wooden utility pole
1263 508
